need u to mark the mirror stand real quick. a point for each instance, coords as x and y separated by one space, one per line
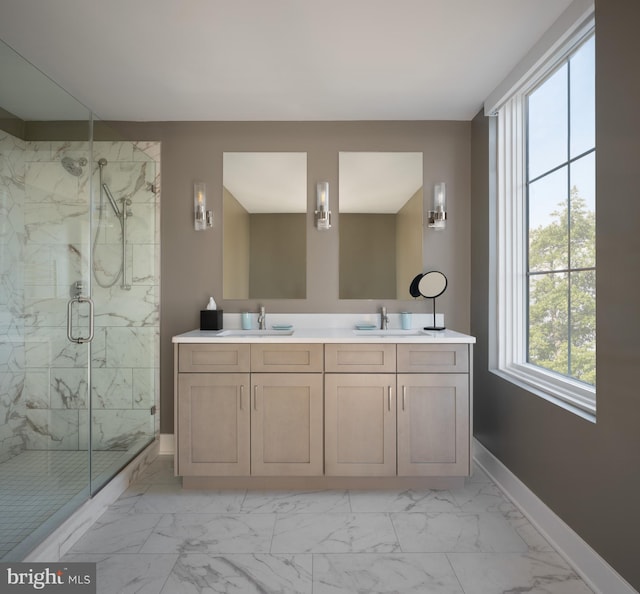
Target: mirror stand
434 327
430 285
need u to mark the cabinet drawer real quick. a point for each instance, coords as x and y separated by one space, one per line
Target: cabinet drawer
433 358
214 358
360 358
288 358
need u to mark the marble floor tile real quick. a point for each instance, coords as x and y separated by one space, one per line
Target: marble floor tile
534 573
129 574
240 574
334 533
126 502
172 498
298 502
402 501
159 471
456 532
376 574
160 539
211 533
116 532
535 541
482 497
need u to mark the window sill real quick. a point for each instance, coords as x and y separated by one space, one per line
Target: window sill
568 394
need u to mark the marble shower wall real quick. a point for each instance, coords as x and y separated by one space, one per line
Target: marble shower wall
48 379
12 376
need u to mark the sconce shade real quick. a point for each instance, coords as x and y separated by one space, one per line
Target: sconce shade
323 213
202 218
436 218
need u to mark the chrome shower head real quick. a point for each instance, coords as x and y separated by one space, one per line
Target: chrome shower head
74 166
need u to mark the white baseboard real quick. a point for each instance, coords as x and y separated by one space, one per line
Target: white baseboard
167 444
592 568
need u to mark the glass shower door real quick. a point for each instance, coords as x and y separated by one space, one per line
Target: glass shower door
125 288
78 392
44 379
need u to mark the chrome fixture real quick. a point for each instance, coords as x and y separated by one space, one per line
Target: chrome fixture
74 166
203 218
322 212
79 299
122 216
384 319
262 319
437 218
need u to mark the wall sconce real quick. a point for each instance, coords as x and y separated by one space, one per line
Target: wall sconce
203 218
437 218
323 214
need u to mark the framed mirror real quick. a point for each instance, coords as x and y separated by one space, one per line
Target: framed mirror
264 225
381 219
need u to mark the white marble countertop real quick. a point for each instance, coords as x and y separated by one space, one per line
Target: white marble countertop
327 328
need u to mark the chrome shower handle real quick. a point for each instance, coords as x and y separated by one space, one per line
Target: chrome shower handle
79 339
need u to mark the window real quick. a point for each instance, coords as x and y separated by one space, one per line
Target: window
545 252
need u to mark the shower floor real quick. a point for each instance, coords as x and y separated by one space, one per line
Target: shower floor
37 487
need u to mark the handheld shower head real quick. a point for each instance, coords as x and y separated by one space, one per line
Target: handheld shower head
111 199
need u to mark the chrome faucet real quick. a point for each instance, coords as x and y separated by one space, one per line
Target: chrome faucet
262 319
384 319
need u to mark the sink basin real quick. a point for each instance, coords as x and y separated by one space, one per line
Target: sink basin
254 333
395 332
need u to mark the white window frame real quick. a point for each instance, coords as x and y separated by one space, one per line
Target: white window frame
508 294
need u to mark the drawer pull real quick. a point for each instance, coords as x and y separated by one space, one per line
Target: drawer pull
389 405
241 393
404 396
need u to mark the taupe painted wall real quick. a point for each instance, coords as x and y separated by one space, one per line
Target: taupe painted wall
589 474
192 261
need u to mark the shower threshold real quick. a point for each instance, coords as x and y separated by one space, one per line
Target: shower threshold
39 489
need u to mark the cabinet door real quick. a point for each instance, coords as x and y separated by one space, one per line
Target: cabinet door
433 424
213 424
286 424
360 424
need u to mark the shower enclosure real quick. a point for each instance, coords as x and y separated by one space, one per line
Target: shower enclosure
79 303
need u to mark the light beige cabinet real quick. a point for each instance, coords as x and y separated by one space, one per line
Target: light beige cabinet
360 424
360 409
213 424
414 423
334 410
434 410
286 424
433 424
241 424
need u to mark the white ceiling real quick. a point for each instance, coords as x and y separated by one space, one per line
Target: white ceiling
275 60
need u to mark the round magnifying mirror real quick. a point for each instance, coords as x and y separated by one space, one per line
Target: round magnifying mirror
432 284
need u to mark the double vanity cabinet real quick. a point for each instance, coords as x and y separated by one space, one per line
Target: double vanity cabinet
322 410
